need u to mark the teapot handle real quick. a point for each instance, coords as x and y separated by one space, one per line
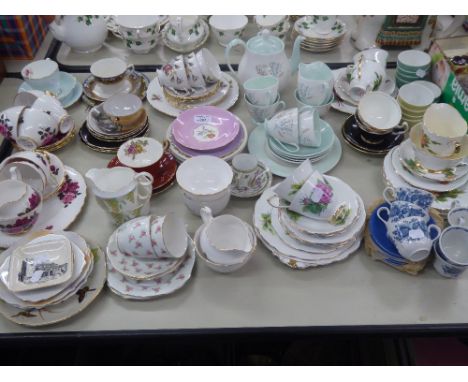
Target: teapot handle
232 44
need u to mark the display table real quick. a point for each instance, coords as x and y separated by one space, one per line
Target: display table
265 296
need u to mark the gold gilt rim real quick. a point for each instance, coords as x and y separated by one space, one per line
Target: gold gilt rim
210 92
120 138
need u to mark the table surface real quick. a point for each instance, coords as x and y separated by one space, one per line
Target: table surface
265 293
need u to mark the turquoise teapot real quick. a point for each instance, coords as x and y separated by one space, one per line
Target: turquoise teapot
264 55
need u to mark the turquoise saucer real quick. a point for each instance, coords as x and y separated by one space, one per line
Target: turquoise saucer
74 96
305 152
257 145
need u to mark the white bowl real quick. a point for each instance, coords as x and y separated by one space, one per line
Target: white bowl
379 110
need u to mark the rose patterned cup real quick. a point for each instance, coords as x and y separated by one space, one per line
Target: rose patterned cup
168 236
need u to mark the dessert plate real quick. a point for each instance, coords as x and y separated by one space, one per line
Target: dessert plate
226 96
58 211
147 289
258 144
135 268
205 128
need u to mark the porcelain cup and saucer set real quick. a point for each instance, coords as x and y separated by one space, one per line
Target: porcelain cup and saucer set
224 243
110 76
149 256
278 25
185 34
37 120
310 219
120 118
376 126
44 75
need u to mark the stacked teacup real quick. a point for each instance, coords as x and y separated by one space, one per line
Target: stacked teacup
412 65
414 99
407 221
262 97
37 120
144 250
315 86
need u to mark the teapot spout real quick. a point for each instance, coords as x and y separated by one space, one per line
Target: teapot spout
296 54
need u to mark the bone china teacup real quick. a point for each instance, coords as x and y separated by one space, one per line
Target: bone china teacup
42 75
261 90
134 238
247 173
168 236
422 198
400 210
261 113
36 129
365 76
314 83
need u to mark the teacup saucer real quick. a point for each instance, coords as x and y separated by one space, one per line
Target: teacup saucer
135 268
352 135
68 84
74 96
258 188
147 289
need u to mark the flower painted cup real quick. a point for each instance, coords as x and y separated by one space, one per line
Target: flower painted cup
247 172
36 129
42 75
168 236
209 66
412 237
400 210
173 74
416 196
314 83
444 130
261 90
227 28
134 238
9 120
443 266
284 127
261 113
194 73
289 186
365 76
451 248
24 171
109 70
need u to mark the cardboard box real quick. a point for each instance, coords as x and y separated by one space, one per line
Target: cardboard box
451 77
21 36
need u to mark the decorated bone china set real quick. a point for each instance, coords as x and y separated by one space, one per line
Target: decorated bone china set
308 219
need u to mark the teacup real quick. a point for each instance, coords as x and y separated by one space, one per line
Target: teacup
194 73
412 237
416 196
400 210
364 76
134 238
412 60
173 74
123 109
168 236
227 28
109 70
374 136
209 66
39 100
225 239
24 171
9 120
414 97
274 23
36 129
261 90
261 113
373 54
322 109
185 29
451 253
291 185
314 83
42 75
458 216
324 24
247 173
444 130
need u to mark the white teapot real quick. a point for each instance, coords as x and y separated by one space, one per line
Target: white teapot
84 34
264 55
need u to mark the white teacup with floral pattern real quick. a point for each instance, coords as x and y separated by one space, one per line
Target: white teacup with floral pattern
173 74
364 76
134 238
168 236
289 186
35 129
247 173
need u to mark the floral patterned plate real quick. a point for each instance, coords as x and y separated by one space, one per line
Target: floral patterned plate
147 289
135 268
74 304
205 128
58 211
225 97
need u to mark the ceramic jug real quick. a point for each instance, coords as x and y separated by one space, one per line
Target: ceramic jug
123 192
366 31
264 55
84 34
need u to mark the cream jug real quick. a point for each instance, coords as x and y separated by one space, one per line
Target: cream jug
264 55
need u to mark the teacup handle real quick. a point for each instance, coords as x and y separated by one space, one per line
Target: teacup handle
380 217
145 186
404 128
206 214
389 194
270 202
232 44
437 230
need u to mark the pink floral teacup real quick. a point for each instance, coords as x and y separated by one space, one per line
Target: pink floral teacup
36 129
168 236
134 238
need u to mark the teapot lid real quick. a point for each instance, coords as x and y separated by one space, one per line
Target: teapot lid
265 43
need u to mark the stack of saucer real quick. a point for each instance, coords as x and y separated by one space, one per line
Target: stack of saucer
322 223
48 277
412 65
110 76
44 75
321 33
434 158
206 130
118 119
414 99
149 256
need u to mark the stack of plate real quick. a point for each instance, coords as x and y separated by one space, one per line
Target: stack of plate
99 133
206 130
403 167
136 278
314 41
49 277
301 242
343 100
282 162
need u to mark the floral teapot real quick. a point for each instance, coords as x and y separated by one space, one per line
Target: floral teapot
84 34
264 55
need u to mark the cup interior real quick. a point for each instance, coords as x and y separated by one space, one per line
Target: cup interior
445 121
379 110
452 242
122 105
415 96
174 235
230 22
108 68
39 69
414 59
261 83
244 162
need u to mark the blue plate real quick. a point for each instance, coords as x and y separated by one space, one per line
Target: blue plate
378 232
